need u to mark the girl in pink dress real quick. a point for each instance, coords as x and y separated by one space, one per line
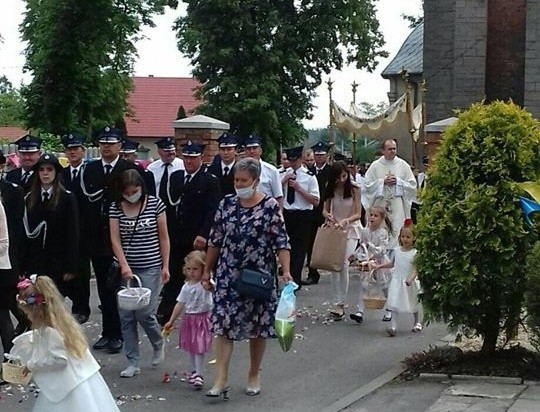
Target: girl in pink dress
195 304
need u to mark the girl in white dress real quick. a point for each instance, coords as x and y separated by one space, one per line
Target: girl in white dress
375 238
195 304
404 287
56 352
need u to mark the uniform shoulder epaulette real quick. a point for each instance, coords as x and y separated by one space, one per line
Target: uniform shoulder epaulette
14 184
68 191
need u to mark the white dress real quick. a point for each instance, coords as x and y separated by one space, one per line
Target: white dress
403 298
67 384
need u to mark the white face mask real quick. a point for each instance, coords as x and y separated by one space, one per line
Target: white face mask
134 198
245 192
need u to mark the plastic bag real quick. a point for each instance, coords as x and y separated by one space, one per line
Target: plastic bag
286 316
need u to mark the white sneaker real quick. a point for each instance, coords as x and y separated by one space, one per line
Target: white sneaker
130 371
158 356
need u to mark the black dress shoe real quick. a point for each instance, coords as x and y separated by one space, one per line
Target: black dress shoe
310 281
101 343
115 345
79 317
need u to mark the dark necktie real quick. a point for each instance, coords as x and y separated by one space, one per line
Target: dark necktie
188 179
108 169
24 177
226 171
75 174
163 182
45 197
291 193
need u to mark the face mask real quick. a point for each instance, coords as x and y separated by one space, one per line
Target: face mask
245 192
134 198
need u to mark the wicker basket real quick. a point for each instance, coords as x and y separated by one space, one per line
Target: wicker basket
13 372
374 302
133 298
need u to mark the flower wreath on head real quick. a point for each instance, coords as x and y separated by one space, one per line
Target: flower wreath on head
407 223
33 298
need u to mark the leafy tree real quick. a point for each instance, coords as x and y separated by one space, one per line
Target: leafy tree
260 61
414 21
472 239
81 55
181 113
11 104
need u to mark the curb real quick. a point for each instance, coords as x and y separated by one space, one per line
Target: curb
489 379
365 390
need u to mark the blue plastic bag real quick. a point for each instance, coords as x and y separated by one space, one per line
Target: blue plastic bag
286 316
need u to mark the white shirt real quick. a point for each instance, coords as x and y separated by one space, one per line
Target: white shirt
113 163
229 167
49 192
308 181
77 168
158 167
270 183
195 298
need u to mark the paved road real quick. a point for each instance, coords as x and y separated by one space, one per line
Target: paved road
327 362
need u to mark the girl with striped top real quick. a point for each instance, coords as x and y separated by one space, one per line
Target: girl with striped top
140 243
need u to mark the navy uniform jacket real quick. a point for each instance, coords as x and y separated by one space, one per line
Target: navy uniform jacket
148 178
14 176
100 192
13 201
322 179
74 186
195 205
226 183
55 251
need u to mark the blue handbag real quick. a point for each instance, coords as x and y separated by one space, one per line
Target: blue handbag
255 284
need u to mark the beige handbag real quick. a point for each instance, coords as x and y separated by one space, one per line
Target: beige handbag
329 249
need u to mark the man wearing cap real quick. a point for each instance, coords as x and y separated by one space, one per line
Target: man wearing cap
320 169
13 201
309 159
194 196
98 183
128 152
29 151
390 182
301 196
270 181
223 169
75 152
167 164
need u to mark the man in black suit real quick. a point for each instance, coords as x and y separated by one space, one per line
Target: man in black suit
223 169
99 181
79 288
13 201
320 169
195 197
29 151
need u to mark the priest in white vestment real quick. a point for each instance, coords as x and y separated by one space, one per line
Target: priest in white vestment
390 182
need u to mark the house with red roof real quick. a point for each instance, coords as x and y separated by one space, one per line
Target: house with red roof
154 104
12 133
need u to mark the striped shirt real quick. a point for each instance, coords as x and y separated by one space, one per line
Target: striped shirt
143 252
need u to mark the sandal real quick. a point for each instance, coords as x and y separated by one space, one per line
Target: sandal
335 315
417 327
198 382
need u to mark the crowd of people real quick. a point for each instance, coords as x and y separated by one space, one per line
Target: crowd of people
186 232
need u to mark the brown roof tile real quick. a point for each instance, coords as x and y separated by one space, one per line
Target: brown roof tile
155 102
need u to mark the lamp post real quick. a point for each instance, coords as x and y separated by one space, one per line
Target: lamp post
354 86
331 140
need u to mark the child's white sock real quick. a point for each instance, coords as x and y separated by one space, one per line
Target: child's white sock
193 363
199 364
415 315
393 322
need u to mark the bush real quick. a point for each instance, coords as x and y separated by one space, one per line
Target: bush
532 296
472 239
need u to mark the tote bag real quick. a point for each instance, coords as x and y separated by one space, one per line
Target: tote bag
329 249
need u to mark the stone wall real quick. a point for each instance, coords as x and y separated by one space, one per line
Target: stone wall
532 58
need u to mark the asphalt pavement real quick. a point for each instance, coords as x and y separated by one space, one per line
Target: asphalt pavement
328 363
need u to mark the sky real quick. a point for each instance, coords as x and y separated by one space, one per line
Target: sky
159 56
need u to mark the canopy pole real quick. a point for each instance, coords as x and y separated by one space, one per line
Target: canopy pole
331 139
409 104
354 86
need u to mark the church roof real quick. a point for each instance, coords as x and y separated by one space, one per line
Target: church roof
410 56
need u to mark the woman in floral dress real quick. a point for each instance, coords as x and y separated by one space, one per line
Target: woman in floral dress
248 232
